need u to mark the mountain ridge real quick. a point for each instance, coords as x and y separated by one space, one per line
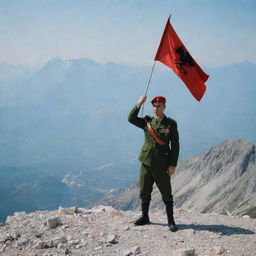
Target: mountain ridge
48 105
224 177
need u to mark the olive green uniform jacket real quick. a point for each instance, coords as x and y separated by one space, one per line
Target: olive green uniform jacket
152 154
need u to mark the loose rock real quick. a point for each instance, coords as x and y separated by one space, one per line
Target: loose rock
68 211
185 252
219 249
97 233
127 253
54 222
136 250
58 240
111 239
102 208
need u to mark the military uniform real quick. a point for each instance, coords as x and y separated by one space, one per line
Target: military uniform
155 158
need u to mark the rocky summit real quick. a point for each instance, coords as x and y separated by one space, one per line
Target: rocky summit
102 230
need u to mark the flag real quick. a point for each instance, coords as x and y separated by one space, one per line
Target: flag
174 54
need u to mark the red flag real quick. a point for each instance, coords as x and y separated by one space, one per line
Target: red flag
174 54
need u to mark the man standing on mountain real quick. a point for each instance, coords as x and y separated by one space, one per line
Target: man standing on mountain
158 160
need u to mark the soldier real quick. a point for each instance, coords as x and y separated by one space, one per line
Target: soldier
158 160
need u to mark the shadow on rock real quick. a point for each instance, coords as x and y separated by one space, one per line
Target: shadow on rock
220 229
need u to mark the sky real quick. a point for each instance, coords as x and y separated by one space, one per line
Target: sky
216 32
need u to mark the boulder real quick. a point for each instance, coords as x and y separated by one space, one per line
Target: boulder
54 222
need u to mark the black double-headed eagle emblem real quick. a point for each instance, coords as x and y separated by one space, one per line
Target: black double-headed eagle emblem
185 59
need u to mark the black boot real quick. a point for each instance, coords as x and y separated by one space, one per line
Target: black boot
169 210
143 219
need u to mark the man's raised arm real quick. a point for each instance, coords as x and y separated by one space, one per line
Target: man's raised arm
133 116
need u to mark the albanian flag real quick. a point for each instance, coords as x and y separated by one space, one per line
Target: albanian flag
174 54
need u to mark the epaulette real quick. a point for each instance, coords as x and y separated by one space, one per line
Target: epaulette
171 120
147 117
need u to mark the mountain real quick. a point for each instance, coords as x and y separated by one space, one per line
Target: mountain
68 121
48 186
103 230
11 73
74 108
66 110
221 179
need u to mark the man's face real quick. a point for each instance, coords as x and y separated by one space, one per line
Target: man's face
158 108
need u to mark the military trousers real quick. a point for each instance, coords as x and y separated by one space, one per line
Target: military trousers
151 174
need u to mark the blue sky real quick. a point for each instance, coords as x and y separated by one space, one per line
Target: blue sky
216 32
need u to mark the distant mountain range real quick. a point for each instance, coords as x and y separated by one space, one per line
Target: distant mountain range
48 186
78 109
12 73
221 179
65 125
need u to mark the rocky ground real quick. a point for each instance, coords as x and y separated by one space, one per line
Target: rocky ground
105 231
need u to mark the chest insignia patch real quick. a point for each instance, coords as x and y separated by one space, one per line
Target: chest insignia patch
165 131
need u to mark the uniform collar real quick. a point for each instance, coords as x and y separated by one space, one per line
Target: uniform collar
160 123
159 120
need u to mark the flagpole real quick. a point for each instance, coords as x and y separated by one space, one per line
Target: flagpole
152 70
149 80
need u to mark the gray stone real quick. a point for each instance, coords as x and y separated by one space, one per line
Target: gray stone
87 211
15 234
74 242
67 251
60 246
84 242
40 245
127 253
65 226
219 249
23 240
9 219
69 237
5 237
38 235
19 214
102 208
110 239
136 250
185 252
58 240
126 228
54 222
68 211
80 210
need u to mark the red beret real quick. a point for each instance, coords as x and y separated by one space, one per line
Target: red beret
158 99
